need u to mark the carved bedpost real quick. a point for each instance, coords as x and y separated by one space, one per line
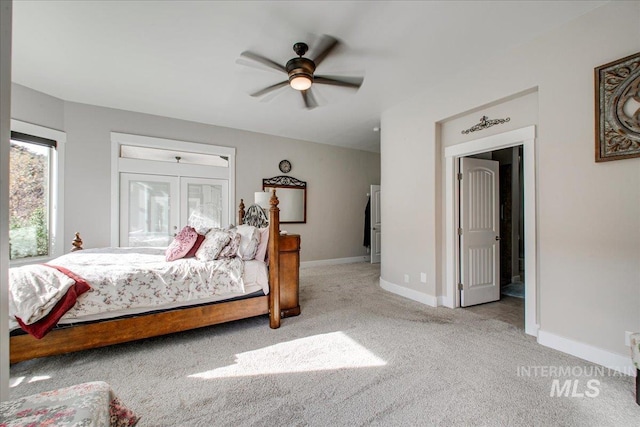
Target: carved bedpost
274 262
241 212
76 244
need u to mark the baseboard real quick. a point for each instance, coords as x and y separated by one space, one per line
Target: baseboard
587 352
321 262
444 301
409 293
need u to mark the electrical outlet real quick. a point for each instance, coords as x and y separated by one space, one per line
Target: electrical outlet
406 278
423 277
627 338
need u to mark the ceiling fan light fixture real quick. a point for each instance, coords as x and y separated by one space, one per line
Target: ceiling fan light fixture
300 71
300 82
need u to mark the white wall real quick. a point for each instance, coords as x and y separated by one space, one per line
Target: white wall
337 178
5 107
522 111
588 214
38 108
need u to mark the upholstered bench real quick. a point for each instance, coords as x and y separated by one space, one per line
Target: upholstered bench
87 404
635 356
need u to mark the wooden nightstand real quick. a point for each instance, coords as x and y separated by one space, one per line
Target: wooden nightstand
289 274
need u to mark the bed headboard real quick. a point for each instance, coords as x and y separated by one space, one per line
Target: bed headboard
255 216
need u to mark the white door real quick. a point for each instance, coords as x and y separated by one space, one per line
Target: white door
376 224
206 197
480 231
148 209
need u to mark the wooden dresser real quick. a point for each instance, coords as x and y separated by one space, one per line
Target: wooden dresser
289 274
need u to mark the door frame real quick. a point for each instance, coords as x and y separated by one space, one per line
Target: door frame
525 137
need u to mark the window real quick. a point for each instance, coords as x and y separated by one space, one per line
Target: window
34 208
173 156
29 168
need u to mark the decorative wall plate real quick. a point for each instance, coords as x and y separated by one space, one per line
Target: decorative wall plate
285 166
618 109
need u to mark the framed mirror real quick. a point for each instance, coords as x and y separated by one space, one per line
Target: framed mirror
292 194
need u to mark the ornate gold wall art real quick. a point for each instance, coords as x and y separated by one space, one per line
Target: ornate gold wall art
617 118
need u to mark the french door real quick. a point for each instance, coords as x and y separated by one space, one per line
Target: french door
206 197
153 208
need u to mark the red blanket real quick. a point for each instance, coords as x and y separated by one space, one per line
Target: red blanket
43 326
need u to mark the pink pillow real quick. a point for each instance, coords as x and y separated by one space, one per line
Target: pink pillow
182 243
196 246
261 253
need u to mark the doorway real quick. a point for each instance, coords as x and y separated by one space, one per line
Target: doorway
498 228
524 137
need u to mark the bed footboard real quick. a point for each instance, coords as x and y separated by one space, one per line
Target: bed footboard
102 334
274 262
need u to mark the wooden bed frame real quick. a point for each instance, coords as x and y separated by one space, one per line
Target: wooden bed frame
108 332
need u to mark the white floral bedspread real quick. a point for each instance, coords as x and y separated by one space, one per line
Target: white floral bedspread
125 278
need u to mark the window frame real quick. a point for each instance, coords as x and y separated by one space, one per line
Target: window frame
128 165
56 189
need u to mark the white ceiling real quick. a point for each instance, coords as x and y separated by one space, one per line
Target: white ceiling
178 58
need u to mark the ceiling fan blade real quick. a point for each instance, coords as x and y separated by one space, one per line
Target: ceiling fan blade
264 61
324 48
271 88
352 82
309 100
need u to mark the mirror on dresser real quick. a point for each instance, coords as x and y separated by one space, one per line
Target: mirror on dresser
292 195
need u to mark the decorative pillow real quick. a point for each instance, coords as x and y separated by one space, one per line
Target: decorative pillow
231 250
261 252
195 247
248 241
181 244
214 241
201 222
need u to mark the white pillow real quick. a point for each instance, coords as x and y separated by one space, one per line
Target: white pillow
231 250
249 239
201 223
261 253
213 243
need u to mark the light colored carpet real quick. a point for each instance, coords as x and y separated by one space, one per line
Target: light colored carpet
356 356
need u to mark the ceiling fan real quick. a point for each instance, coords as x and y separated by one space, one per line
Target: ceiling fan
301 71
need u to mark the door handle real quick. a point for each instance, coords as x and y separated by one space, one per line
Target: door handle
497 237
